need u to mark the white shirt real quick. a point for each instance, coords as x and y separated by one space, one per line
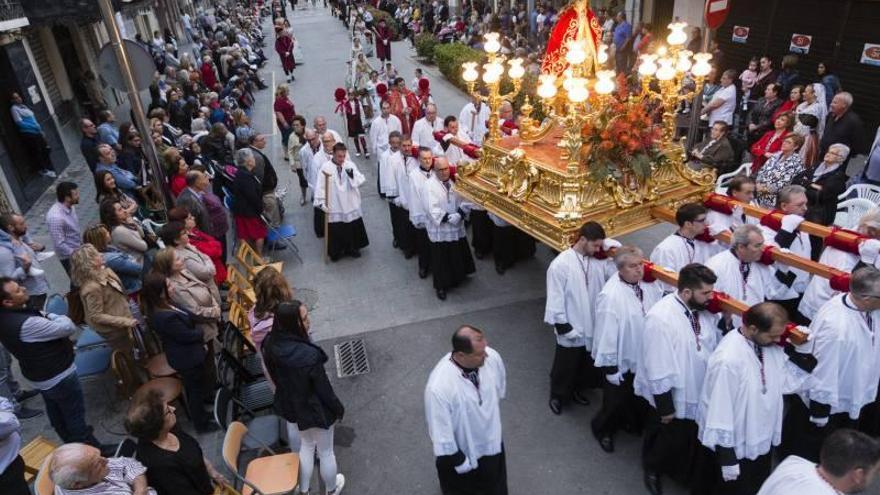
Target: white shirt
573 284
401 171
760 285
454 153
848 355
801 247
418 215
387 180
307 160
676 251
725 112
671 358
741 407
718 222
423 132
462 417
819 289
345 197
439 202
796 476
474 122
379 130
620 323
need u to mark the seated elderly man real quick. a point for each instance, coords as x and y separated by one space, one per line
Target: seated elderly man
80 469
715 151
824 184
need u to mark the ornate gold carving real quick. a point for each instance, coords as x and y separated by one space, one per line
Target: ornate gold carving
517 178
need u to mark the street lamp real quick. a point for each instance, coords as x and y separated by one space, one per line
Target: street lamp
493 71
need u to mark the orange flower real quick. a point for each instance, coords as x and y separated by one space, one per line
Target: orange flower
606 145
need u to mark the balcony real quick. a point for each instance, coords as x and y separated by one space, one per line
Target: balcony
48 12
12 15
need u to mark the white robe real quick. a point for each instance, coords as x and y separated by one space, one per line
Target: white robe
387 180
418 178
307 159
720 222
573 284
401 171
675 252
819 289
345 197
762 283
439 202
801 247
734 412
848 356
455 154
670 359
620 323
459 416
379 130
796 476
318 161
423 132
474 122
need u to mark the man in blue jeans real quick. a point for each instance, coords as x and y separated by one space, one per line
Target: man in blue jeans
41 343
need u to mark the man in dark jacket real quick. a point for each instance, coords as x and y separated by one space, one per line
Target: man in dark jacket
89 144
45 353
843 126
761 116
191 198
269 180
715 151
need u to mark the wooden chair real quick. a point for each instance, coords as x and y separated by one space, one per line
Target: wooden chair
252 261
269 475
35 455
131 381
43 485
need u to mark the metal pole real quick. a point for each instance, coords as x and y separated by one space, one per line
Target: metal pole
697 105
158 184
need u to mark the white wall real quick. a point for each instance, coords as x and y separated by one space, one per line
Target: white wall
689 11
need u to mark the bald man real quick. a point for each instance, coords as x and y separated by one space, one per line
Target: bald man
80 468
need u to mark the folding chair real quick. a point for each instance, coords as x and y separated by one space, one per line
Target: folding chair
864 191
266 430
253 391
724 179
849 212
252 261
236 341
35 455
131 381
270 475
283 233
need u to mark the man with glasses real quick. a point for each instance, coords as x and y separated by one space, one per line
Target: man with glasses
682 248
843 334
89 144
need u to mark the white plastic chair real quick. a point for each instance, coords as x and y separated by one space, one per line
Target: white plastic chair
866 191
151 227
724 179
850 211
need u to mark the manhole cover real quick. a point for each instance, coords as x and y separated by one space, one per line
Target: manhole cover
309 297
351 358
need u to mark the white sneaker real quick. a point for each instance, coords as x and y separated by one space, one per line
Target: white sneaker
48 173
340 483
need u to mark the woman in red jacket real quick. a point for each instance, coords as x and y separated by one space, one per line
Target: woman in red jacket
203 242
771 141
284 47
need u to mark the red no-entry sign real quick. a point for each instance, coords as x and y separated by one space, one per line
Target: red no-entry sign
716 12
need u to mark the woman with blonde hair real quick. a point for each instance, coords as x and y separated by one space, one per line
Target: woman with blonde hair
105 303
129 270
271 289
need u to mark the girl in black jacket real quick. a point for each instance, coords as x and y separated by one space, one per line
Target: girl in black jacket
303 394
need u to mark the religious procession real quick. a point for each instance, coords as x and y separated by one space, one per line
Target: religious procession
294 290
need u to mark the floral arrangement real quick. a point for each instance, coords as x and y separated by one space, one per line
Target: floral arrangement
620 139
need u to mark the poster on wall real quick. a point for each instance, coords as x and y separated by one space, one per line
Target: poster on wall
871 54
740 34
800 43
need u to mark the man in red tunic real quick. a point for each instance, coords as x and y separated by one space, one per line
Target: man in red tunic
404 105
383 41
284 47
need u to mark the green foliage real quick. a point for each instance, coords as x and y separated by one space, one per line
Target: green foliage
449 58
425 43
389 21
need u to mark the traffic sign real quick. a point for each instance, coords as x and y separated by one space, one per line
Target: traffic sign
716 12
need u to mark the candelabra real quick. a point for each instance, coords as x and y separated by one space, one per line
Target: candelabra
493 70
670 67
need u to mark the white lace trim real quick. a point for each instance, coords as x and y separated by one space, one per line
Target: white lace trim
661 386
606 359
346 217
444 235
725 438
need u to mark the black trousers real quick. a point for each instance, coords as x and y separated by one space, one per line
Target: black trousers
319 223
423 248
404 232
752 474
671 449
620 407
572 370
802 438
482 229
12 479
490 477
347 237
194 385
38 149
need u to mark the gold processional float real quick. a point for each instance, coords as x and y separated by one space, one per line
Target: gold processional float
599 155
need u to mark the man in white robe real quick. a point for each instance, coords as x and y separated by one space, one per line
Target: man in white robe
424 128
328 141
740 273
307 153
848 371
681 247
464 418
346 225
389 159
320 123
381 127
400 170
451 260
574 280
617 344
819 289
452 152
473 118
792 202
848 464
679 336
740 413
741 188
418 214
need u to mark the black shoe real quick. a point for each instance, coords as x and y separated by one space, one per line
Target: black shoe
652 483
555 406
334 257
580 398
408 255
27 413
423 273
394 242
499 268
355 253
24 395
441 294
607 443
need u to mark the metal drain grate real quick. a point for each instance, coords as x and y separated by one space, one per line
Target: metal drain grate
351 358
